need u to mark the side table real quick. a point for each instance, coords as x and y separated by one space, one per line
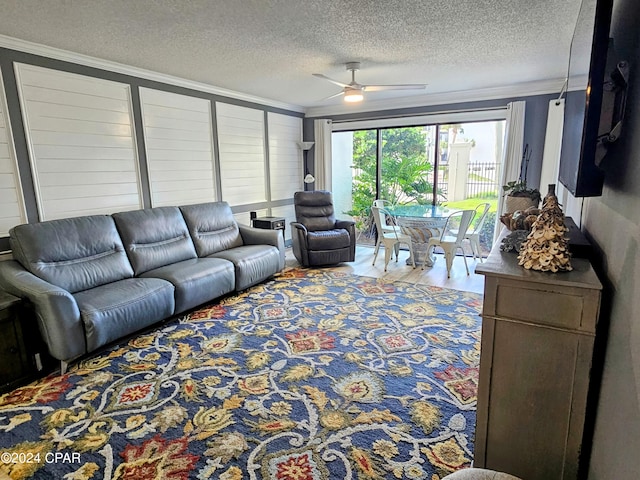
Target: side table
21 349
270 223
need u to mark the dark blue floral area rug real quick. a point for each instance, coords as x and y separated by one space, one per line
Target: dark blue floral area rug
313 375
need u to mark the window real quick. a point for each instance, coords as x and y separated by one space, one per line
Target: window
452 164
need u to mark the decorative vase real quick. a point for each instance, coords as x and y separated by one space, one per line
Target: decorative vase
551 194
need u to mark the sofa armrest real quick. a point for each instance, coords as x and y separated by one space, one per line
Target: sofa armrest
56 310
261 236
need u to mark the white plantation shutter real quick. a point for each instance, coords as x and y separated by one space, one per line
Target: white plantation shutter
285 156
242 154
12 212
80 136
179 147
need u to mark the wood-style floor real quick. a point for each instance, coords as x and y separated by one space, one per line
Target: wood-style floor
436 275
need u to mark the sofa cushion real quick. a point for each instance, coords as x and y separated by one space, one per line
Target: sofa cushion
197 280
328 239
154 237
117 309
253 263
212 227
73 253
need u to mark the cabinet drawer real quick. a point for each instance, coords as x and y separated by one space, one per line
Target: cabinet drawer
566 308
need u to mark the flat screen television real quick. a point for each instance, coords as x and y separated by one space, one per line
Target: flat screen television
579 170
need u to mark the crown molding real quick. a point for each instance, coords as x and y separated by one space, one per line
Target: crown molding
528 89
88 61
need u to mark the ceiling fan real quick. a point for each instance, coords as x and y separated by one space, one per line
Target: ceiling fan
354 91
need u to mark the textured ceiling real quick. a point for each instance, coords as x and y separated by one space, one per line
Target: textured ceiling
270 48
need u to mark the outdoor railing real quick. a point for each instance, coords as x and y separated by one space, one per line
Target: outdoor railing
482 179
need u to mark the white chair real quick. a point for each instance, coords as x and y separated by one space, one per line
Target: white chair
391 238
474 234
388 225
380 203
450 242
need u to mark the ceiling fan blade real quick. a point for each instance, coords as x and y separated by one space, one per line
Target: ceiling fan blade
379 88
324 77
332 96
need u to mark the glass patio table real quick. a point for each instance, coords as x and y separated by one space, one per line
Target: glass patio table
420 222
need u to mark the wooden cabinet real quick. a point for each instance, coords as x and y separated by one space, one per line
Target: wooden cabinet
538 332
21 349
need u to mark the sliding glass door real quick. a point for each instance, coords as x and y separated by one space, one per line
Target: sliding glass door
456 165
407 165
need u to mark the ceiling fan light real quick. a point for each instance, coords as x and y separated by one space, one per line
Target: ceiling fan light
353 96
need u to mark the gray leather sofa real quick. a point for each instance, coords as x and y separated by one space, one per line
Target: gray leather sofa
95 279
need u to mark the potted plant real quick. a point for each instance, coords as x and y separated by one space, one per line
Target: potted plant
518 195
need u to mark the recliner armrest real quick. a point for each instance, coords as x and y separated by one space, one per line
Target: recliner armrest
299 242
346 224
350 226
56 310
298 226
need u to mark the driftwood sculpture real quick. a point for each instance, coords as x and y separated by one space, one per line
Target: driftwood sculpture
546 247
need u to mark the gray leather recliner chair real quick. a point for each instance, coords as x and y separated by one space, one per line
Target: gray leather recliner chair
318 238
